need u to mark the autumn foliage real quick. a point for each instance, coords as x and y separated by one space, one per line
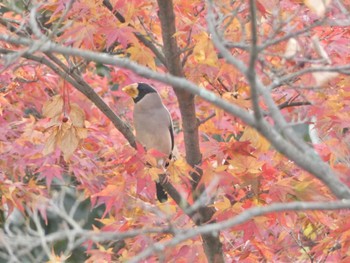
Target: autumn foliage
66 127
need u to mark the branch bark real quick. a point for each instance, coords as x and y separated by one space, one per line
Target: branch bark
212 244
213 229
316 167
286 141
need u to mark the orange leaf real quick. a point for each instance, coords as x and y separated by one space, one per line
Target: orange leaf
142 56
204 51
255 139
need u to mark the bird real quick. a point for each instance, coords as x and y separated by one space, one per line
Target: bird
153 124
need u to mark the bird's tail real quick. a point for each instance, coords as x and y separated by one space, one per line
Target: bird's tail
162 196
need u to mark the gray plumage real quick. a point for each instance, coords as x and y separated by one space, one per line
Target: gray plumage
153 124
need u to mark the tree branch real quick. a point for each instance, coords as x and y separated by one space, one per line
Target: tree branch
213 229
212 245
77 82
308 162
179 83
294 148
251 73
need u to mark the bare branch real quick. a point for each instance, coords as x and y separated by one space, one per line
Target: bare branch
60 20
200 122
219 43
294 148
213 229
294 34
251 73
344 69
178 82
288 104
307 161
84 88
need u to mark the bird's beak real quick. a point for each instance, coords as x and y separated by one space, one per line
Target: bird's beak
131 90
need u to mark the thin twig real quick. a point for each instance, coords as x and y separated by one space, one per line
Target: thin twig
251 73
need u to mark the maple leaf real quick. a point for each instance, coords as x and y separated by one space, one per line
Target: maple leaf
142 56
255 139
123 34
49 172
204 51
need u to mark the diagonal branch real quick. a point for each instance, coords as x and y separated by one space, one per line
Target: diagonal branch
257 86
75 80
85 89
308 162
287 143
246 215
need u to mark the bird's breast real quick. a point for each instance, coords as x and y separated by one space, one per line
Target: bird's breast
152 129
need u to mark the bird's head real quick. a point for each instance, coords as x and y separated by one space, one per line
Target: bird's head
138 90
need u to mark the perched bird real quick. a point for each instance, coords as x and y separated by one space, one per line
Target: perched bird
153 124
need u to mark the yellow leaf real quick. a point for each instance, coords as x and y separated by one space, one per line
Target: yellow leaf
204 51
142 56
246 164
309 231
222 204
53 107
220 168
178 169
77 115
154 172
255 139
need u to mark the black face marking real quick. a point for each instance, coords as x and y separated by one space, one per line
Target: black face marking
144 89
171 136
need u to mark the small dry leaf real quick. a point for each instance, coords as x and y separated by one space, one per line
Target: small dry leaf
53 107
292 48
77 115
318 6
51 142
69 142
